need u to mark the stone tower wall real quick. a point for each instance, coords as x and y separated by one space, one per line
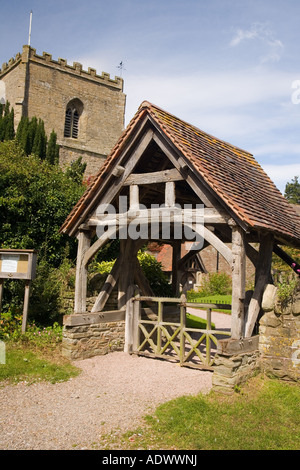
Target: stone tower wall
40 86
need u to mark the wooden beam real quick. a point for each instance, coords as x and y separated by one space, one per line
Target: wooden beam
134 202
94 318
211 216
84 240
142 281
190 254
170 197
130 318
153 177
176 256
108 286
223 249
118 171
287 259
263 269
110 188
238 282
128 255
182 166
91 251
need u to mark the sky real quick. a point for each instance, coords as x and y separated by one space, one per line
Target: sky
229 67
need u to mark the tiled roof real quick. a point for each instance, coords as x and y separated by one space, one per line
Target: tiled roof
231 173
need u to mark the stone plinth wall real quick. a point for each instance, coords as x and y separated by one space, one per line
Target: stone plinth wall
91 335
279 339
235 362
274 351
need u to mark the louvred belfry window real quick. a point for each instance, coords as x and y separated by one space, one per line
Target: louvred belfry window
73 112
71 123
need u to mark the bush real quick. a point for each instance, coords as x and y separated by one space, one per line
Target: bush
216 284
152 269
11 330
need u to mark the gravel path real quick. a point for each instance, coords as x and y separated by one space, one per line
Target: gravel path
112 391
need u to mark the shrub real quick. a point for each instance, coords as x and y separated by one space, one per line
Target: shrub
152 269
216 284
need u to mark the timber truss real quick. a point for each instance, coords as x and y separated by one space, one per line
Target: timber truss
150 181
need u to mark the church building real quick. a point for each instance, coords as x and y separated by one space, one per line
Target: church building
86 110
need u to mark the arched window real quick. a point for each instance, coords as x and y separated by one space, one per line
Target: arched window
73 112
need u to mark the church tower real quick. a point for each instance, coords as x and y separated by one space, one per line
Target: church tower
86 110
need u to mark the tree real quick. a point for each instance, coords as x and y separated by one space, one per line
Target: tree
7 131
52 154
292 191
32 137
76 170
36 197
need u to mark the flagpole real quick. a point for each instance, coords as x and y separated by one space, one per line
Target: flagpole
29 38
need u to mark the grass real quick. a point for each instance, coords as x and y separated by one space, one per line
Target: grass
192 321
263 416
212 299
31 364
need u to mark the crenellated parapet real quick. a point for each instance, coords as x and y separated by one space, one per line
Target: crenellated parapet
30 54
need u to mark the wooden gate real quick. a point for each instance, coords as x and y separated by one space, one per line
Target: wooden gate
160 330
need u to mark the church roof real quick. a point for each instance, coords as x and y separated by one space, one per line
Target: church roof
231 174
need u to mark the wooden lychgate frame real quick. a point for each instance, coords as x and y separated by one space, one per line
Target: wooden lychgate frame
154 162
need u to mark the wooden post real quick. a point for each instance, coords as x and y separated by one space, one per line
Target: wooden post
182 327
170 194
108 286
134 202
262 277
159 321
25 306
176 256
128 254
84 241
137 311
129 319
1 293
238 282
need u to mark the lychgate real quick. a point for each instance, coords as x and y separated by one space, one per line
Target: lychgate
168 181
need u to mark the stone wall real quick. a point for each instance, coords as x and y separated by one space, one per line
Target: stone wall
88 335
235 362
279 338
274 351
37 85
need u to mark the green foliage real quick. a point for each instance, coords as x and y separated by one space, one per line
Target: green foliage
193 321
52 153
76 170
32 137
292 191
35 199
264 416
152 269
286 291
7 131
10 324
215 284
47 293
31 366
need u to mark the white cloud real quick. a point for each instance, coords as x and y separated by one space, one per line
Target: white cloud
208 94
260 31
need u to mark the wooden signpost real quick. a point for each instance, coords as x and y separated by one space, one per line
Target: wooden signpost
18 264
